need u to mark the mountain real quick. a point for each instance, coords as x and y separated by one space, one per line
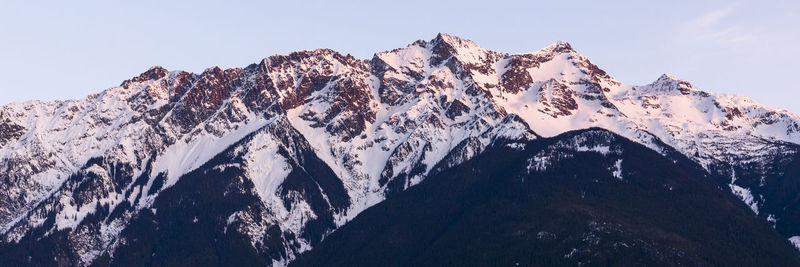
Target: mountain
587 197
269 159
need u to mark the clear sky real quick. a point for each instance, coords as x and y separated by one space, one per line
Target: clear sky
67 50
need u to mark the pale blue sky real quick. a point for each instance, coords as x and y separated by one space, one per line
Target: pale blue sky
66 50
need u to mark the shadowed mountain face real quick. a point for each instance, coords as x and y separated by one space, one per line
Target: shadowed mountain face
271 158
586 197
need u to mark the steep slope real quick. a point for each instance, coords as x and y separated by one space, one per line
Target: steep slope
748 147
586 197
82 172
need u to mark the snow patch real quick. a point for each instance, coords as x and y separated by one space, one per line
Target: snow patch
265 167
616 170
187 155
771 219
795 241
743 193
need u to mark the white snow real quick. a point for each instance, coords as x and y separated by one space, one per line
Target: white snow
265 166
539 163
771 219
186 155
795 241
617 169
743 193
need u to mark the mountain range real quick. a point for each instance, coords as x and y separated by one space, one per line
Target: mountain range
317 155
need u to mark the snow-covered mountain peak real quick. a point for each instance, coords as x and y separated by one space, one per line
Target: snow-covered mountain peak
155 69
466 53
667 83
559 46
456 42
667 76
152 73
